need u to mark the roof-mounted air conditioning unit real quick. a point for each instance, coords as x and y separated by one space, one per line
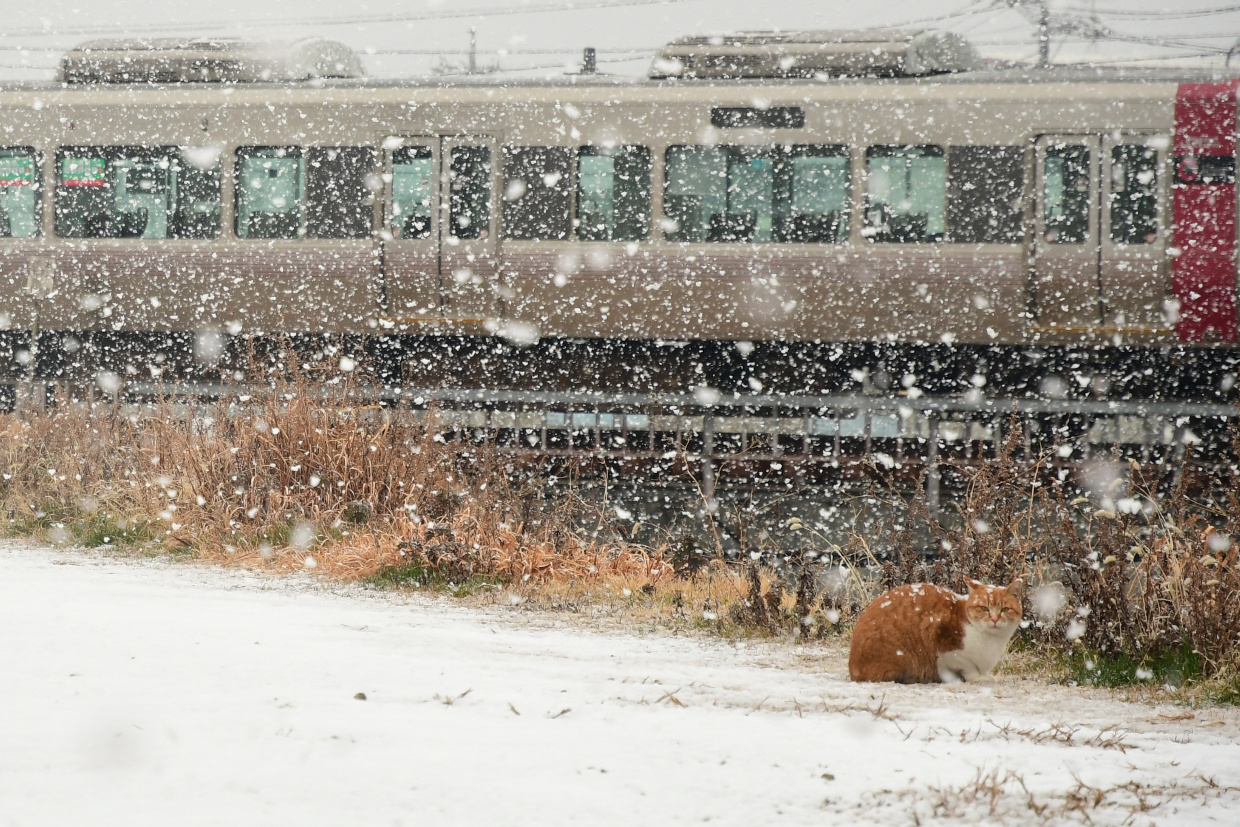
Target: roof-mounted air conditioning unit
861 53
164 60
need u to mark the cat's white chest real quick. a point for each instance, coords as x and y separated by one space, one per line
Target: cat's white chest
983 646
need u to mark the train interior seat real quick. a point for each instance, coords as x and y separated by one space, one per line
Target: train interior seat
809 229
686 211
273 225
131 224
416 226
733 226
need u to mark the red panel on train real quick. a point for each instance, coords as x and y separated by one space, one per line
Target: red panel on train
1204 212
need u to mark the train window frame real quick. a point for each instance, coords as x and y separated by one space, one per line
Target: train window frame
1139 223
629 216
986 194
340 190
771 188
275 230
164 170
403 221
11 186
1059 227
538 192
901 226
470 203
830 226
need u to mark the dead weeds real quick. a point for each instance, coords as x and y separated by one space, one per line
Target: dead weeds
1003 797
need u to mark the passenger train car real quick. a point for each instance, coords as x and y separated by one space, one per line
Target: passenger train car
805 195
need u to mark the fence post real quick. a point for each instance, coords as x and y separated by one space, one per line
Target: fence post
708 452
932 463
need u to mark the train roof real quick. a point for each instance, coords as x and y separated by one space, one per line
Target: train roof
743 60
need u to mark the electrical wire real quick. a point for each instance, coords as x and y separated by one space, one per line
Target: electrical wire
968 10
1163 15
455 14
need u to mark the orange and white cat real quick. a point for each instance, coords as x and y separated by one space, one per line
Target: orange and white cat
927 634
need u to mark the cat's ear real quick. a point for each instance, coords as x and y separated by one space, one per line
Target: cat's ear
1017 588
975 585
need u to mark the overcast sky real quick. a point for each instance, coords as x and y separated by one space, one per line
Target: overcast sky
397 37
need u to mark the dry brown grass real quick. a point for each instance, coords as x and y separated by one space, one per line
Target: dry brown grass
1003 797
1136 571
295 477
289 479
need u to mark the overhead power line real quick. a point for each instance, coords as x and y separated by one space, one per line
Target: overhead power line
1160 15
353 20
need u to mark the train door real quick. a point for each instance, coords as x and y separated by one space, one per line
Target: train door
1066 252
1135 273
440 228
410 236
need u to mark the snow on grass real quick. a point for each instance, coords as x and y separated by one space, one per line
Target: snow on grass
144 692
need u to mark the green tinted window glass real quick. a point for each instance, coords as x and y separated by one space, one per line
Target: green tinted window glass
271 192
19 193
413 168
696 191
1065 195
812 197
797 194
137 192
751 187
906 193
613 193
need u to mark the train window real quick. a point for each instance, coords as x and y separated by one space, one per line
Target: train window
137 192
271 192
19 192
339 197
613 193
732 193
695 197
1065 196
985 194
906 197
413 169
811 193
1134 187
469 202
536 192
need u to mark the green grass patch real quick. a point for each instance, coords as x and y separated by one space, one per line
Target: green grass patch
397 577
102 529
1225 693
1173 668
416 576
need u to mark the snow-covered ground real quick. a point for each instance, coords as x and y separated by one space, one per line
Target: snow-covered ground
154 693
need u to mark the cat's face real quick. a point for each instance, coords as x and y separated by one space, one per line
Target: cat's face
994 607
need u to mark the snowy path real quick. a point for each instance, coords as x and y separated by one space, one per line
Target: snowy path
144 693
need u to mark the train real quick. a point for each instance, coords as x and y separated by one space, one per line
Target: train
779 212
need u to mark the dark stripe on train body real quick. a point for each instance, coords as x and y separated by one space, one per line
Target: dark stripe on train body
1171 372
